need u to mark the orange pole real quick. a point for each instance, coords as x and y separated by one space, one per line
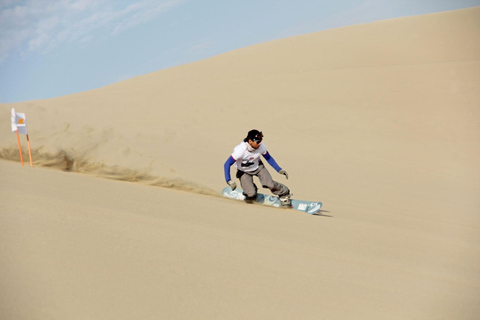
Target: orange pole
29 151
20 147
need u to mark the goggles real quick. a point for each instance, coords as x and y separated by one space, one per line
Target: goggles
258 137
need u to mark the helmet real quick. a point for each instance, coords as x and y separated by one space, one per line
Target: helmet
254 135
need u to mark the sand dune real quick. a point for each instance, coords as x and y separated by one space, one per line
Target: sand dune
380 121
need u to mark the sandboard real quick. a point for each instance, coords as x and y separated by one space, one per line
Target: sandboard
311 207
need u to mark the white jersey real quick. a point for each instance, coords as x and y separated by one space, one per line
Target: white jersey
248 159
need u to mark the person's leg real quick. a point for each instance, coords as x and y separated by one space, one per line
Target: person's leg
277 188
249 188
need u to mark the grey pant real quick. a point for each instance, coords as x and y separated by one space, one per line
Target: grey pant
249 187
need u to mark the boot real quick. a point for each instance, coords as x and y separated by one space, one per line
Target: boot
250 199
285 201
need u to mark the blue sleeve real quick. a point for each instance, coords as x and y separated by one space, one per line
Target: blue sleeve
271 161
226 168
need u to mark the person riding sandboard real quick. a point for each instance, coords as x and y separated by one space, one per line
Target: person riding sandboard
246 157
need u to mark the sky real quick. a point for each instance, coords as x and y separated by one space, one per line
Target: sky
51 48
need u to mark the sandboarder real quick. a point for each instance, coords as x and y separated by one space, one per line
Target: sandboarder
246 157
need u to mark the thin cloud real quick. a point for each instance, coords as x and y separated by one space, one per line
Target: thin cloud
142 12
40 26
201 48
9 3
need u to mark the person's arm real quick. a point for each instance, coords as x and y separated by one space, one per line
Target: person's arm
274 164
271 161
226 168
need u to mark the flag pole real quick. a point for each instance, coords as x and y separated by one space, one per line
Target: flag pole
19 147
29 151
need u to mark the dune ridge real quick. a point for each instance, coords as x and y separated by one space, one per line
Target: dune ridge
406 78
